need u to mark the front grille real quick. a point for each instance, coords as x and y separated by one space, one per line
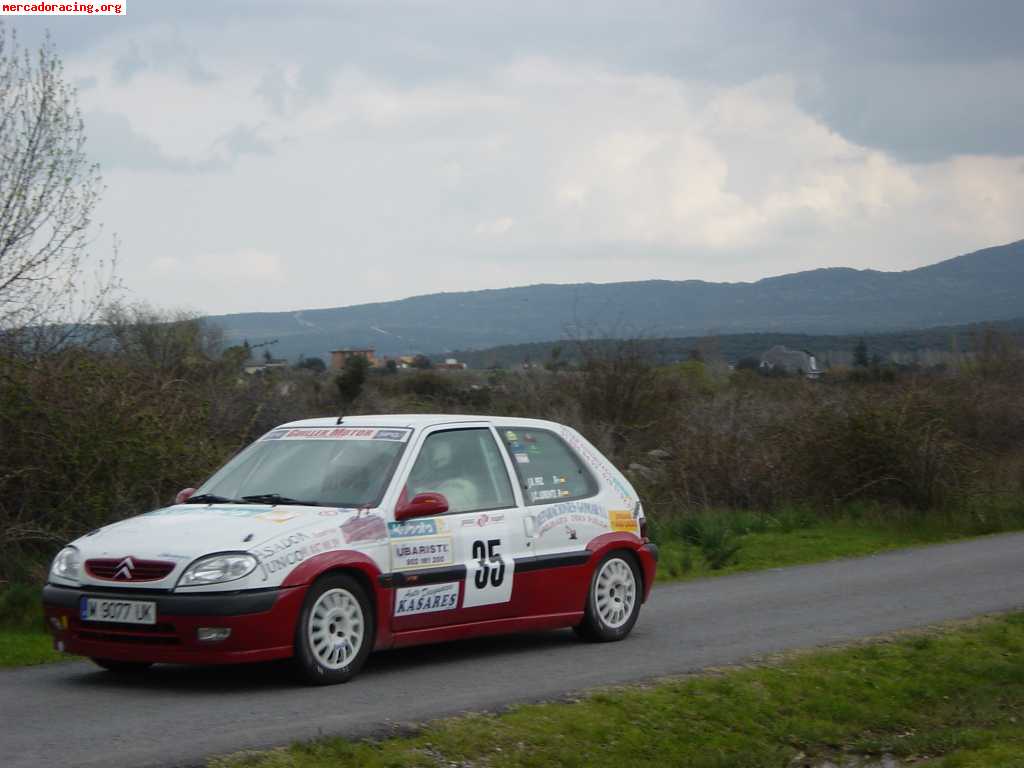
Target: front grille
128 569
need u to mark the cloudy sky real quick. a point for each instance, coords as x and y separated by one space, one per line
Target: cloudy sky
281 155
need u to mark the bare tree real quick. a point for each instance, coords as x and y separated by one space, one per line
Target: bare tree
48 192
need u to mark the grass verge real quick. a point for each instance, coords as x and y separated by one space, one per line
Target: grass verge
720 542
945 698
22 649
22 639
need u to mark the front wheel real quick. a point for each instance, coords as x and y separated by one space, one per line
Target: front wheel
613 603
335 631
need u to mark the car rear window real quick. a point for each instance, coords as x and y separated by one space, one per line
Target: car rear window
547 468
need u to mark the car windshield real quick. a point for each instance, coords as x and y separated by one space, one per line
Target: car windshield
310 467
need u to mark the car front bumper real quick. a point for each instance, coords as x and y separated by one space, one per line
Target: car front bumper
262 625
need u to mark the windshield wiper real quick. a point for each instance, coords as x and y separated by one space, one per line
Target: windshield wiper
277 498
210 498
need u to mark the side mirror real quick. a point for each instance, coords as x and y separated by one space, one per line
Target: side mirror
422 505
184 495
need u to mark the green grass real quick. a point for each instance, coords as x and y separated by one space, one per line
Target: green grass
796 536
22 639
955 697
21 649
823 541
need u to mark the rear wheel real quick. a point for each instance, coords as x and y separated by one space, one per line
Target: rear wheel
335 632
123 667
613 603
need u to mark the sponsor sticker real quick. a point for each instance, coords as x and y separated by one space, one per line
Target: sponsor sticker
392 434
364 528
421 527
277 516
484 519
283 544
611 477
421 553
522 458
338 433
571 514
426 599
622 520
288 551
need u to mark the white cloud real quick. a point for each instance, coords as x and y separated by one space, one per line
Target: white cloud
536 170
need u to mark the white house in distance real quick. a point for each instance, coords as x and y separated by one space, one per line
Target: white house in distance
797 361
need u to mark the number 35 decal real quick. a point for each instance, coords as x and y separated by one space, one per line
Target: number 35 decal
489 576
492 567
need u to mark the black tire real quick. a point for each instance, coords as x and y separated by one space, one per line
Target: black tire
594 628
309 665
123 667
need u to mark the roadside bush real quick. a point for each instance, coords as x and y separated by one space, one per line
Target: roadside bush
93 434
716 537
899 450
88 436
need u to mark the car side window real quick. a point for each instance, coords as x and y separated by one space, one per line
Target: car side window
465 466
548 469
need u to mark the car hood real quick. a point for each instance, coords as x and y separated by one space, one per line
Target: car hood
183 532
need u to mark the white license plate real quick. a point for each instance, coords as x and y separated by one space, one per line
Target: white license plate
118 611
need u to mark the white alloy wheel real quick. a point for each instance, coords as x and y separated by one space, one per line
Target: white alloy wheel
615 593
336 628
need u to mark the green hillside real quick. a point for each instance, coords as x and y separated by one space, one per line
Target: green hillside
984 286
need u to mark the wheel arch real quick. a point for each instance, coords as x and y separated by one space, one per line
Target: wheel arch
631 544
362 568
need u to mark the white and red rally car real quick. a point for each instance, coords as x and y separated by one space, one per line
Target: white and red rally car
329 538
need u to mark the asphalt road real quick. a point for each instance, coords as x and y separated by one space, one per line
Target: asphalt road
76 715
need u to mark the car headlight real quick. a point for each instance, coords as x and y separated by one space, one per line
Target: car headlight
66 564
216 569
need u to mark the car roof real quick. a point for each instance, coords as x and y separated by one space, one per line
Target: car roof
421 420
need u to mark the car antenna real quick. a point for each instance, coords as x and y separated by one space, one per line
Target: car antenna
339 419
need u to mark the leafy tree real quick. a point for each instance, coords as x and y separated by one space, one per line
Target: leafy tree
860 354
353 377
555 362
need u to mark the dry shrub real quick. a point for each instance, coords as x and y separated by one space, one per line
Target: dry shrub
88 436
92 436
894 448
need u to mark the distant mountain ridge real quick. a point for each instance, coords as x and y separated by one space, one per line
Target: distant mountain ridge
926 346
986 285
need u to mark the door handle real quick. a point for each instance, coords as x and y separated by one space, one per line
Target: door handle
529 527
